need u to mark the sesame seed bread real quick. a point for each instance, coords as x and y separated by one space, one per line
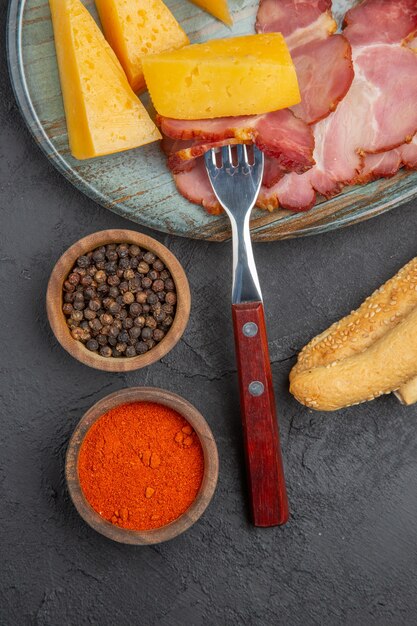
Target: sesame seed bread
407 394
367 353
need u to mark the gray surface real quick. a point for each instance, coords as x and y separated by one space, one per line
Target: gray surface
349 553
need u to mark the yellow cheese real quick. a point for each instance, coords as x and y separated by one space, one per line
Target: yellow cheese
135 28
237 76
218 8
103 114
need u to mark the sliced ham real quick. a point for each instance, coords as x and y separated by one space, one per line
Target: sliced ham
195 186
387 164
380 21
325 73
297 20
279 134
377 115
323 63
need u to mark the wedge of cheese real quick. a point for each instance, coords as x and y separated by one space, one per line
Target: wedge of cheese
102 112
218 8
225 77
135 28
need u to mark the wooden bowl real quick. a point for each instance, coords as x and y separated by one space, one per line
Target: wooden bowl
54 301
208 485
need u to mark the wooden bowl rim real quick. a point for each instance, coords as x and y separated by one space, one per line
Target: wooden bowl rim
205 493
57 319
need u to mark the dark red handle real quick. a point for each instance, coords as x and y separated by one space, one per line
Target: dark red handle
267 490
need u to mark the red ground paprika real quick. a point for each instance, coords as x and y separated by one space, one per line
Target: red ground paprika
141 465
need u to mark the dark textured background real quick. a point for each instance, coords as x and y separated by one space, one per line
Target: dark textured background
349 553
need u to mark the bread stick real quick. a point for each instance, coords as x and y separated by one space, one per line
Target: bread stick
342 366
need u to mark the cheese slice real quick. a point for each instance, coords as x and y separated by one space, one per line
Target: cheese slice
135 28
102 112
218 8
225 77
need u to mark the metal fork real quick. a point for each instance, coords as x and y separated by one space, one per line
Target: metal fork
236 183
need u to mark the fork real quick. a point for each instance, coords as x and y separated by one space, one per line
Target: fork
236 185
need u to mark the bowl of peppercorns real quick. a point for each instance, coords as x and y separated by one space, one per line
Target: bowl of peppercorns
118 300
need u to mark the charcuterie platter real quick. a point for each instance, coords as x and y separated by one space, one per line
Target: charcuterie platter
137 183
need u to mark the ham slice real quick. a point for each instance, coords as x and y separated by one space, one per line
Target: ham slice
195 186
387 164
325 73
376 116
279 134
297 20
323 63
380 21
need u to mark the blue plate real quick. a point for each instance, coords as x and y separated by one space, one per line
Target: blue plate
137 184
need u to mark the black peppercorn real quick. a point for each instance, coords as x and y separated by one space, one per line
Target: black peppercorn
98 255
68 287
128 297
153 274
141 297
67 308
113 280
143 267
149 257
103 289
74 279
135 309
83 261
152 298
79 305
92 345
158 334
139 321
146 333
127 323
134 332
94 305
102 339
158 285
89 314
134 250
171 297
105 351
140 347
169 284
114 307
130 351
165 274
158 265
167 321
114 292
95 325
110 267
128 274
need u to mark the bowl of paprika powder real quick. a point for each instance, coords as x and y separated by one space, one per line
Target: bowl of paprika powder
142 466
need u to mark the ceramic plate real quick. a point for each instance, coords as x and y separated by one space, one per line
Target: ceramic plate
137 184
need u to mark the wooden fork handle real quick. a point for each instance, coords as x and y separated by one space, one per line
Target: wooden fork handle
267 490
